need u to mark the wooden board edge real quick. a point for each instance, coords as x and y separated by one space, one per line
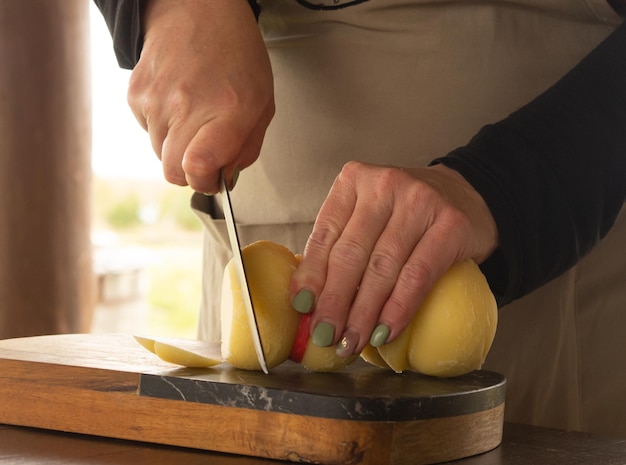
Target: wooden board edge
446 439
105 403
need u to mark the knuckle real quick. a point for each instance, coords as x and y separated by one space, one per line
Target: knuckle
323 236
350 167
136 87
349 253
197 161
350 172
332 302
417 275
421 194
452 227
174 178
383 266
456 218
179 104
398 309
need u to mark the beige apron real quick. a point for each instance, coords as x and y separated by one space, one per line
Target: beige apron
401 82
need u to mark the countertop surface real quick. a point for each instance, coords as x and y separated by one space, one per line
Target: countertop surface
522 445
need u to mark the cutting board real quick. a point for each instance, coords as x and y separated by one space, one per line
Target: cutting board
107 385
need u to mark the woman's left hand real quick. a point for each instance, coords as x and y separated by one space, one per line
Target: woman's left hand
382 238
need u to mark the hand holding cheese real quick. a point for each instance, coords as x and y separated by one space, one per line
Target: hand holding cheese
449 335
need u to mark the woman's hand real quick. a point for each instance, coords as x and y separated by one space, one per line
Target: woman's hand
203 88
381 240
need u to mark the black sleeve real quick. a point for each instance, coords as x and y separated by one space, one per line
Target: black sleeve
554 172
123 17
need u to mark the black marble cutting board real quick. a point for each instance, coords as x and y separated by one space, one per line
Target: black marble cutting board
359 392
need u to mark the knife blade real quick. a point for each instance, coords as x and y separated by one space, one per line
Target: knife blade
235 244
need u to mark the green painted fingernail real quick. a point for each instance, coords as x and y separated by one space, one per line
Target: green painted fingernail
379 335
303 301
323 334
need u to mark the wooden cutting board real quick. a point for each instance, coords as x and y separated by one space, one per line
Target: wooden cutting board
107 385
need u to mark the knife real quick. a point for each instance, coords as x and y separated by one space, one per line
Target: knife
241 273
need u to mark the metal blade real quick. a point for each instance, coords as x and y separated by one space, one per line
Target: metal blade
241 273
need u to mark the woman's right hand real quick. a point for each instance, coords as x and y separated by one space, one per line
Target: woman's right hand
203 88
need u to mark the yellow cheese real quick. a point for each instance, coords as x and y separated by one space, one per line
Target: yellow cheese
371 355
395 353
185 352
173 353
269 267
450 334
146 342
318 358
453 330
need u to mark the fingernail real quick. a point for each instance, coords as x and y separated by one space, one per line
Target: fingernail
323 334
348 343
379 335
235 178
303 301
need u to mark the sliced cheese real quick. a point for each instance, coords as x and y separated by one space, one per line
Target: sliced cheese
185 352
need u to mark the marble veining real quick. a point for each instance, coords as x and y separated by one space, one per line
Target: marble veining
360 393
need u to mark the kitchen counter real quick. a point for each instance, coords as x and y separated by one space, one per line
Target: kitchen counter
522 445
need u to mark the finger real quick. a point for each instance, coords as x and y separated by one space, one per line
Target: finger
440 247
347 263
220 143
174 145
308 280
195 150
387 259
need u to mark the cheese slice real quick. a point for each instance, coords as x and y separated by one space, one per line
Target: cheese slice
184 352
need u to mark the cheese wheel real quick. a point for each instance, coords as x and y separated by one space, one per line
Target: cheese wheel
269 267
452 332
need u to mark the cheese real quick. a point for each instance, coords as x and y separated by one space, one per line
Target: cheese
324 358
269 267
449 335
185 352
452 332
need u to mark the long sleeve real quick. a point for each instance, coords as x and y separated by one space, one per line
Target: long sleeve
554 172
123 18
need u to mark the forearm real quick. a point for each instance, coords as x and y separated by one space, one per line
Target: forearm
124 20
554 172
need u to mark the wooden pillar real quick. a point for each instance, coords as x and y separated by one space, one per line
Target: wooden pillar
46 279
